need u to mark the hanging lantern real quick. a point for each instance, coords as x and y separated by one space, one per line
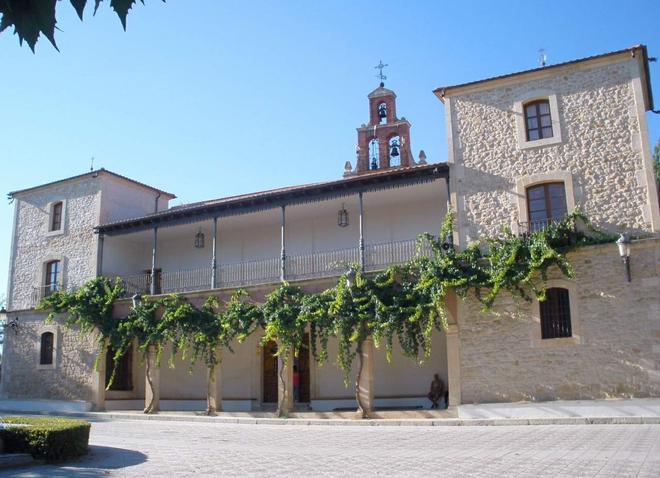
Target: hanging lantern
199 239
342 217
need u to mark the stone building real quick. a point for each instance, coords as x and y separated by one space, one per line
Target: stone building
525 149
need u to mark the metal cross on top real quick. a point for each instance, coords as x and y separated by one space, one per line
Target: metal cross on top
380 67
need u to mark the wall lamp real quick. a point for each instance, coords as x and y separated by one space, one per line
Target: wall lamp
12 324
624 251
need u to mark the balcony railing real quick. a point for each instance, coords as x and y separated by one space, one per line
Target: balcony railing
43 291
267 271
535 226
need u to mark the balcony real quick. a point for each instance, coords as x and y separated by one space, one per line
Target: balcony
267 271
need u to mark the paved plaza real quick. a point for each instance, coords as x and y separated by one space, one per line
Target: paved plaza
165 448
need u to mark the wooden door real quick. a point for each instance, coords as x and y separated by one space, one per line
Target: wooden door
269 373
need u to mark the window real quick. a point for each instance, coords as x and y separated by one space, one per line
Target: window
538 121
52 277
545 203
556 314
46 350
56 216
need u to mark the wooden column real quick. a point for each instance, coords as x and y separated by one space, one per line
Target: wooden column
214 250
284 385
361 243
152 289
365 384
283 242
152 383
214 384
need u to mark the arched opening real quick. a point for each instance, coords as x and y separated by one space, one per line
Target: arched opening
382 113
46 349
374 154
395 151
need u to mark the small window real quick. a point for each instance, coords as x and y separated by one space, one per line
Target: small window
52 277
556 314
46 351
538 121
545 203
56 217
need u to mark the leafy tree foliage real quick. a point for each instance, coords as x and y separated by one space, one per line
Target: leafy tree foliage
31 18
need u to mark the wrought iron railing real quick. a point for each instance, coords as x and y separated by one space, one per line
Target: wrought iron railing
321 264
185 280
528 227
266 271
40 292
257 272
379 256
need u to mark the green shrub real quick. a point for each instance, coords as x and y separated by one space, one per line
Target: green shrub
53 439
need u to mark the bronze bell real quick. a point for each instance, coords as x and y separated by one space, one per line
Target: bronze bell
382 111
395 150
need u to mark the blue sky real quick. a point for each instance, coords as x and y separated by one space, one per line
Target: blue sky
212 98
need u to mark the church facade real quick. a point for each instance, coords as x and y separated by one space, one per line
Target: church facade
524 149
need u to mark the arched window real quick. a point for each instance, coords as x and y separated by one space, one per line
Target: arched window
556 314
374 154
538 121
53 276
395 151
46 350
56 216
382 113
545 203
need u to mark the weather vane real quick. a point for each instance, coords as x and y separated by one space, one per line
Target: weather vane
380 67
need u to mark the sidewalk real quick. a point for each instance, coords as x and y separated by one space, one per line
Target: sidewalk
591 412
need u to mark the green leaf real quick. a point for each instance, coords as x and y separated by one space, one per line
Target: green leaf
79 5
121 7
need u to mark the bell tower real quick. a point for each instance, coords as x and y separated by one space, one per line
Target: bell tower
384 142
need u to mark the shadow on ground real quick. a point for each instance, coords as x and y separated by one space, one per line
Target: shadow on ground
99 459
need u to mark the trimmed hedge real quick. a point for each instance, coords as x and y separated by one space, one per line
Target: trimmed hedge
53 439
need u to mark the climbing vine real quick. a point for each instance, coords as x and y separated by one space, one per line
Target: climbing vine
404 303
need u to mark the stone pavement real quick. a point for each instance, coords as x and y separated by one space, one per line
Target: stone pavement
178 448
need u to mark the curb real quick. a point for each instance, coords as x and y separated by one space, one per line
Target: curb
436 422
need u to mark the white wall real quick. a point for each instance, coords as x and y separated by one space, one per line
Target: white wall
124 199
389 216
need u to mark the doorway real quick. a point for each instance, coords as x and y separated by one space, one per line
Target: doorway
270 375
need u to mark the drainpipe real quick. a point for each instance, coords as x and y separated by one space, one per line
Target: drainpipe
156 202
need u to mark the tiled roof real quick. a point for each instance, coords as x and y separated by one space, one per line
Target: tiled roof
273 197
440 92
92 174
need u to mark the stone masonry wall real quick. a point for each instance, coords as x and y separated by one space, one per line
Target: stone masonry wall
618 323
71 378
33 245
600 147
